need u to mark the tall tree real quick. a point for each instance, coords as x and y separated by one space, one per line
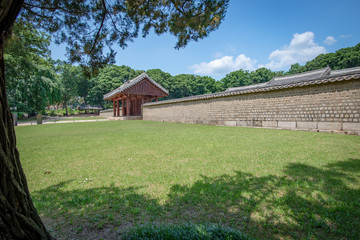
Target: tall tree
44 88
18 216
84 85
70 76
86 26
31 81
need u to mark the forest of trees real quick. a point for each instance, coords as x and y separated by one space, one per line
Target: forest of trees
45 82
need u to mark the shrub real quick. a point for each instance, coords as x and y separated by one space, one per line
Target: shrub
20 115
185 231
71 111
52 113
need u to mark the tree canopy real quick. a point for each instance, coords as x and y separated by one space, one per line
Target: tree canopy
31 81
89 26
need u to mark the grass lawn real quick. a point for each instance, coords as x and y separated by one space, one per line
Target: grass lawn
270 184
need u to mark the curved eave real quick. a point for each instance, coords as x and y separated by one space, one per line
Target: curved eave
131 83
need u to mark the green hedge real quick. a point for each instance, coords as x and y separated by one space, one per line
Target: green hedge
185 231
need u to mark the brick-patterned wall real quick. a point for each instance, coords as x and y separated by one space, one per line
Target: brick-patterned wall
331 106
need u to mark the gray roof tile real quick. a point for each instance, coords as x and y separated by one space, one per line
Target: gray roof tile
305 76
245 87
344 71
131 83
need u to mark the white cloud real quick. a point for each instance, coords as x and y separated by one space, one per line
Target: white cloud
345 36
218 55
302 48
330 40
231 49
223 65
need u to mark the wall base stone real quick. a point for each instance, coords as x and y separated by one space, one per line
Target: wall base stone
329 125
287 125
241 123
230 123
270 124
351 126
307 125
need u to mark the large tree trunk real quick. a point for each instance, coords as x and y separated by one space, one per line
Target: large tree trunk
18 216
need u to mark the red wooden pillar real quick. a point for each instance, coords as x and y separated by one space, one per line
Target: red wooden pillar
118 106
114 108
135 106
142 103
123 106
128 106
156 98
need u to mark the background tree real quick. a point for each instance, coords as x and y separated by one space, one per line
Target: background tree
160 77
236 79
184 85
31 81
342 58
181 86
84 84
262 75
108 79
205 84
350 57
69 76
44 89
87 26
296 68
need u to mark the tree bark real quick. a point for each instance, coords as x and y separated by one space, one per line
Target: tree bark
65 104
18 216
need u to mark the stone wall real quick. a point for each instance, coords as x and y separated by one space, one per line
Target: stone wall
107 113
333 106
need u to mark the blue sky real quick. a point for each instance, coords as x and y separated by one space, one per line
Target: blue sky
255 33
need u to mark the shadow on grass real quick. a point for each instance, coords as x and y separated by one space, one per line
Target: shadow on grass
93 204
307 202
